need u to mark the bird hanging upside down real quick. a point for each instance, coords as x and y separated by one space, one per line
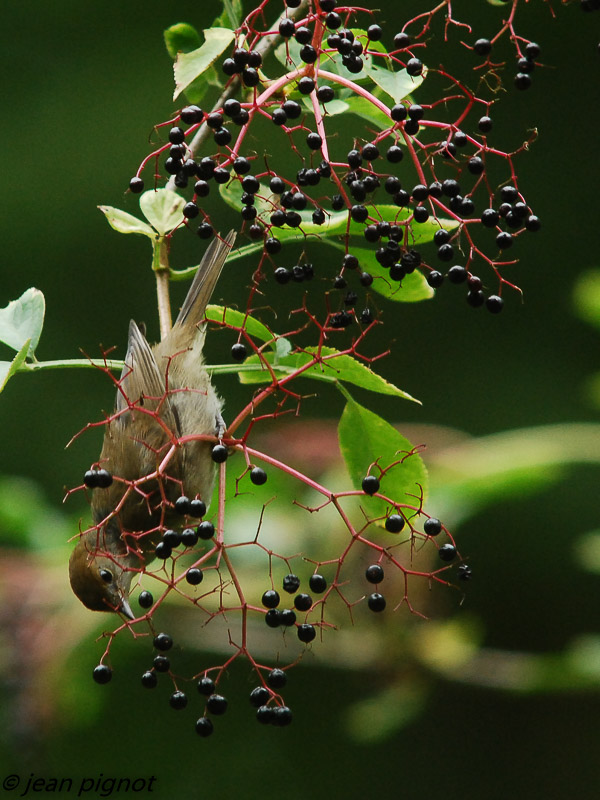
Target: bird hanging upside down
164 394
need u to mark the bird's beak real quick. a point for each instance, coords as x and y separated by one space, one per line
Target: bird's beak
125 608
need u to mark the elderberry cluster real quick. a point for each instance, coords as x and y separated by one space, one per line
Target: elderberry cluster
369 183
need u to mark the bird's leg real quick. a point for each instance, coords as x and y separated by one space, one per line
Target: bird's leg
220 424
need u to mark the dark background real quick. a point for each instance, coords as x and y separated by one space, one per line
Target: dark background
83 83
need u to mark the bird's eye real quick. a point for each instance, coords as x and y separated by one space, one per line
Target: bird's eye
106 575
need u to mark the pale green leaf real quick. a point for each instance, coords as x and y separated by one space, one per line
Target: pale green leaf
163 209
124 222
366 438
366 110
181 38
9 368
395 84
189 66
22 320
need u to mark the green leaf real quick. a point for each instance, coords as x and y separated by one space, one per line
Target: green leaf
231 15
163 209
126 223
334 367
22 320
366 110
396 84
413 288
586 296
237 319
366 438
9 368
181 38
189 66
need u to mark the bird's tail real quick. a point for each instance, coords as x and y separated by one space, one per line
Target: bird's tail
205 280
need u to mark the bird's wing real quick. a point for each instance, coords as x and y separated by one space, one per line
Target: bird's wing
141 381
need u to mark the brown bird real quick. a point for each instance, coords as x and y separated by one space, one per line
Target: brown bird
164 394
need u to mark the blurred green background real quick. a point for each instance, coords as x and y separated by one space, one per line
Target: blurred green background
495 697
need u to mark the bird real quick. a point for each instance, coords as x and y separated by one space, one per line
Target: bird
164 393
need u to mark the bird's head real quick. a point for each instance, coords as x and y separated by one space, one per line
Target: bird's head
100 581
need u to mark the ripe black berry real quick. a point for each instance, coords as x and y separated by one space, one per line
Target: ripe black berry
457 274
394 154
189 537
447 552
288 617
232 107
366 279
282 275
239 351
178 700
204 727
277 678
191 114
374 32
485 124
197 508
314 141
258 476
432 526
302 602
435 279
216 704
221 175
308 54
272 245
162 551
291 583
317 583
264 715
494 304
161 663
374 573
489 218
136 185
303 34
306 632
206 530
282 716
163 642
287 28
145 599
219 453
176 135
305 85
504 240
376 602
414 67
273 618
190 210
194 576
102 673
149 680
482 47
401 40
475 165
475 298
394 523
445 252
359 213
259 696
270 599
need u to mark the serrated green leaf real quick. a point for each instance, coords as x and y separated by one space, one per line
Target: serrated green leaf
22 320
124 222
237 319
9 368
163 209
366 438
190 66
181 38
333 367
